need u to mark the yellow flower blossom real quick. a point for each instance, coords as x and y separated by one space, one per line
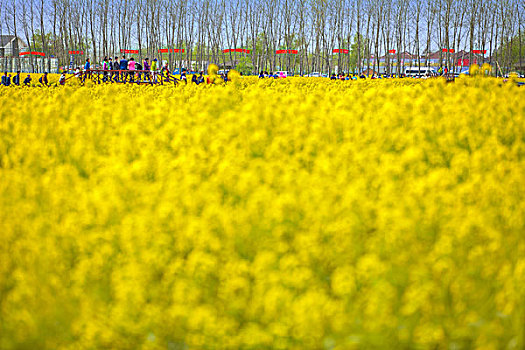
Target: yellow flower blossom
290 214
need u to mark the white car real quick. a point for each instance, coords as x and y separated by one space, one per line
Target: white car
315 75
417 72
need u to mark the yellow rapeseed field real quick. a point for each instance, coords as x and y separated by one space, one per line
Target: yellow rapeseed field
265 214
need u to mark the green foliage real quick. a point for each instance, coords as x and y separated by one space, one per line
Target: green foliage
511 51
245 65
38 39
358 50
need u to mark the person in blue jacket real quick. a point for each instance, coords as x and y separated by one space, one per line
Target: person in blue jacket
27 80
123 66
4 78
87 65
123 63
16 79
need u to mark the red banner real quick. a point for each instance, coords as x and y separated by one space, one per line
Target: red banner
293 52
32 53
129 51
340 51
464 62
76 52
448 50
236 50
479 51
171 50
391 51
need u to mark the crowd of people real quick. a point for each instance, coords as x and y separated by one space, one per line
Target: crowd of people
333 76
115 70
125 70
131 71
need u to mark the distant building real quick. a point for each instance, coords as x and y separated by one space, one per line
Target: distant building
458 59
463 58
433 58
406 59
11 45
11 61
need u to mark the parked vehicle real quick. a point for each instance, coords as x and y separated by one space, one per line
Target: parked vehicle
315 75
513 74
419 71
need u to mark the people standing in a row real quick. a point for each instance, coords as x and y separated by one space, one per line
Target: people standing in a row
120 68
134 69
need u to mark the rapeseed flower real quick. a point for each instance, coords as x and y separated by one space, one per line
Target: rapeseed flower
291 214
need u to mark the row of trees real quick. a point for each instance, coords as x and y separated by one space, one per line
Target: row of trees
313 27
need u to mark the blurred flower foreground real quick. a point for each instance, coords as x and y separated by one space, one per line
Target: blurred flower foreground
277 214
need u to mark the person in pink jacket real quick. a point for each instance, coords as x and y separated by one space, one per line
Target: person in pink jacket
131 68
